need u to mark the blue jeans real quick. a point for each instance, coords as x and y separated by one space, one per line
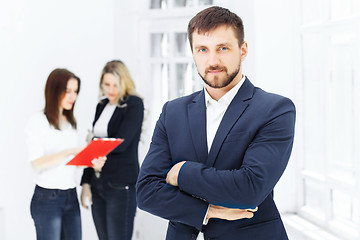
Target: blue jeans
113 210
56 214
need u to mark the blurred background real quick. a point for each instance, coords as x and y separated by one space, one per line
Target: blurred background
306 50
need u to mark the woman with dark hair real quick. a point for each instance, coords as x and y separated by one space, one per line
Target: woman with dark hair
52 141
119 114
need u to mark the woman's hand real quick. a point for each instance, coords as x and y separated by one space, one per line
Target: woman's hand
75 150
51 160
89 136
86 197
98 163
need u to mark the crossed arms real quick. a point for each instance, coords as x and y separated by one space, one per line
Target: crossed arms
213 211
183 191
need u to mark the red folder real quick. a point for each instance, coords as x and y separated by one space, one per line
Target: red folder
98 147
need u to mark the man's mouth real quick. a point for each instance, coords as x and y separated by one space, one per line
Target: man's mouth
215 70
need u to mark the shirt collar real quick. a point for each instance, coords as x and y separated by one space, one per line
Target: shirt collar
228 97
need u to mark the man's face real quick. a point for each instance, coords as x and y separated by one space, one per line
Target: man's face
218 57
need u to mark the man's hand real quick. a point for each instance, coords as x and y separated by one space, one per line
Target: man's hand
229 213
172 176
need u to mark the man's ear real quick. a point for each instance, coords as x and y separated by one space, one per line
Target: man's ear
244 50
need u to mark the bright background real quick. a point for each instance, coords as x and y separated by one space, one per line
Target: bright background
307 50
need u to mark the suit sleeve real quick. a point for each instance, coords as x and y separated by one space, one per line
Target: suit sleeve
263 164
154 195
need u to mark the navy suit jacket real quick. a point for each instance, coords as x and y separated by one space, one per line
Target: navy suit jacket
249 154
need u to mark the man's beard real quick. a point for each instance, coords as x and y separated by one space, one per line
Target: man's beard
228 79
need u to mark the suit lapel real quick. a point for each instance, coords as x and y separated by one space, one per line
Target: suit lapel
100 107
197 123
231 116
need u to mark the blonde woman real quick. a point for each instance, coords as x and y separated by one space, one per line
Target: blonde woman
119 114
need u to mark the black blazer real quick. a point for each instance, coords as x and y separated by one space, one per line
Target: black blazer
122 165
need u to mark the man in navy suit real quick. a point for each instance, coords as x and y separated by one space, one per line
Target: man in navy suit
217 154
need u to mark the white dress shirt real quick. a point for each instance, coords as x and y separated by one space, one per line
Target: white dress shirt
215 111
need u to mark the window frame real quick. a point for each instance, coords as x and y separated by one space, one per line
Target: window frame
327 27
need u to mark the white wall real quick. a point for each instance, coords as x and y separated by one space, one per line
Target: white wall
36 37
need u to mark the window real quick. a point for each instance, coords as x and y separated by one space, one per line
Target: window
171 61
330 174
168 62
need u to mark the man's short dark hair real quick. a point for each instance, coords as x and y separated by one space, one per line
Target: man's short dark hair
213 17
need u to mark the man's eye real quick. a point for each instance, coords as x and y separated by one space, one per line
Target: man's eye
223 48
202 50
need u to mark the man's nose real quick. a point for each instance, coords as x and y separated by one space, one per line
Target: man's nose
213 59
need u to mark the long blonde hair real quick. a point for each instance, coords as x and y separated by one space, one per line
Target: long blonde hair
125 84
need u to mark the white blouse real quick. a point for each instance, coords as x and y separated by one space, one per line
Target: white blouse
43 139
101 125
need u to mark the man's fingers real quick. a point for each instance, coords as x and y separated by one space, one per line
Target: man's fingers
248 209
248 214
252 209
229 213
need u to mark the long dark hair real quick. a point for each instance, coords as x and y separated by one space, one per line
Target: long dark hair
55 90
